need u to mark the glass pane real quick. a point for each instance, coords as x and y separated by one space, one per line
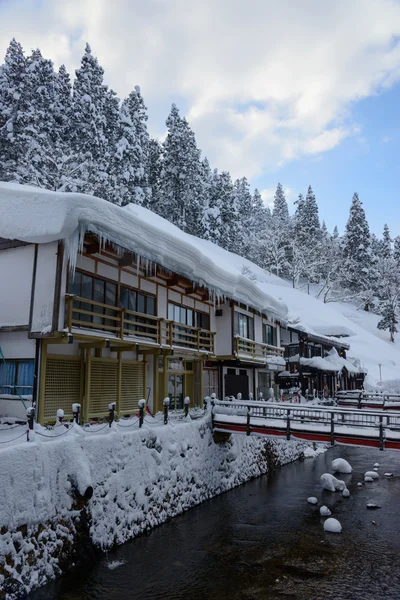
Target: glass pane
177 313
189 317
170 312
205 321
179 391
74 285
141 303
171 391
132 305
98 296
151 305
123 297
250 328
182 318
98 292
87 283
243 326
111 294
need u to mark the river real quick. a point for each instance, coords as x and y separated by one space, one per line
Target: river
263 541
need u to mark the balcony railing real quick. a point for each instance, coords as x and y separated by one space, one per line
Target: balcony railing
124 323
257 351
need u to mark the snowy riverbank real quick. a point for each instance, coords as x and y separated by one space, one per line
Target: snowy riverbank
140 478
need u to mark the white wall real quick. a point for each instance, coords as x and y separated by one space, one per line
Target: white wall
162 302
223 328
45 281
16 268
16 344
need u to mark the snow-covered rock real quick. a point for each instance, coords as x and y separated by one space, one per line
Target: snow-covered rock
312 500
332 525
346 493
359 484
368 479
372 506
388 474
330 483
375 468
372 474
376 465
324 511
340 465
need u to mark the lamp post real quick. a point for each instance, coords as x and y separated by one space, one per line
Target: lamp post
380 373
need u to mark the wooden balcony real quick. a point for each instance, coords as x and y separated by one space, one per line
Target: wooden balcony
255 351
126 324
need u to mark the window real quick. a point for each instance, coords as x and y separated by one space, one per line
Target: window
268 334
16 377
137 301
187 316
106 293
244 326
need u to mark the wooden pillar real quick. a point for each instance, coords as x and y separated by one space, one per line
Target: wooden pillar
164 379
201 387
156 385
119 383
42 380
86 406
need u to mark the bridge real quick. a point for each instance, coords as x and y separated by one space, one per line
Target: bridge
352 427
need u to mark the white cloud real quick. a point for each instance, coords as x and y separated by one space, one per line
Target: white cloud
262 82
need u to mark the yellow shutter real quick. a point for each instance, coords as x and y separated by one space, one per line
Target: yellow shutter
62 385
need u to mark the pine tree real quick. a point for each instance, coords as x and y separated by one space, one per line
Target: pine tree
386 243
138 114
36 164
123 167
278 250
14 110
389 319
357 274
88 128
180 177
154 168
335 232
396 250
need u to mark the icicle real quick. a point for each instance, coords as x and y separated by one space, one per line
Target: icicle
137 264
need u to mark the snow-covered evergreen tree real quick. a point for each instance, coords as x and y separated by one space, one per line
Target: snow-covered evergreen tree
14 110
154 167
89 141
358 274
278 250
138 114
386 243
181 190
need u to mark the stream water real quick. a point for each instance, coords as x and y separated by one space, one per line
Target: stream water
263 541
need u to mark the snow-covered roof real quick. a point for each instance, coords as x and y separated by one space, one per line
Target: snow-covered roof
34 215
332 362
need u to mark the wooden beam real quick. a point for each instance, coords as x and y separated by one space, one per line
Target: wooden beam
95 344
174 280
92 248
124 347
127 259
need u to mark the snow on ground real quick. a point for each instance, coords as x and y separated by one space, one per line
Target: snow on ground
140 478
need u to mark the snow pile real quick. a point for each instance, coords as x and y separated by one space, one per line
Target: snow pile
346 493
140 478
332 526
312 500
339 465
331 484
371 475
324 511
39 216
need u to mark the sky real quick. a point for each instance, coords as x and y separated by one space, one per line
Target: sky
296 92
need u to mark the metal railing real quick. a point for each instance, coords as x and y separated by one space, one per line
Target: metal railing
244 347
321 424
124 323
